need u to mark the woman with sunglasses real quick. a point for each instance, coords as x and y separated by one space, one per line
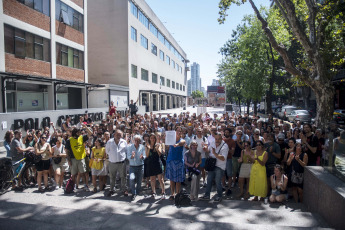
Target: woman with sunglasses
43 148
258 178
247 159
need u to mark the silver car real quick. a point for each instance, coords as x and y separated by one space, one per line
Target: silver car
300 115
285 111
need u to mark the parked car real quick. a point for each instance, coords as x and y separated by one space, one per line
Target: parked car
339 111
339 118
286 111
299 115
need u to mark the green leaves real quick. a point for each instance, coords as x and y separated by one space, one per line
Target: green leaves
197 94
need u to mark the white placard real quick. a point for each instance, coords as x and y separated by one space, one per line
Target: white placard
4 124
170 137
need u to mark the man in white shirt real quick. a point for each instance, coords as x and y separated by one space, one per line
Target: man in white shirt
218 150
116 149
202 141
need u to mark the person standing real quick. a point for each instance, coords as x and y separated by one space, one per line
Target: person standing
43 148
136 155
75 148
133 108
7 142
116 149
218 150
175 164
112 110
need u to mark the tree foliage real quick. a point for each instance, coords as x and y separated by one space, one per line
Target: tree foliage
319 31
197 94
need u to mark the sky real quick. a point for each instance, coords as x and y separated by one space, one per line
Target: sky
194 25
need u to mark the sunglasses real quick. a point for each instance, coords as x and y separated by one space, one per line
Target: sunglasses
43 138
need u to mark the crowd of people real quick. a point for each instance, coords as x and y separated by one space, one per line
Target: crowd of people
265 159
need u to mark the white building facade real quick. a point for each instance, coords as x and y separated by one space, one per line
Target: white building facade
130 47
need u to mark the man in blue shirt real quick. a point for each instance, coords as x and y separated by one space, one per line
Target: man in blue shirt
136 156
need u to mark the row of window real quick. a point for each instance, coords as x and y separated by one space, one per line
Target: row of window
145 77
144 43
63 12
154 30
42 6
27 45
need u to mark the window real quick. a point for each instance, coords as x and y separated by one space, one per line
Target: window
26 45
144 75
144 41
153 30
133 33
69 16
184 88
134 10
161 55
173 63
160 37
134 71
154 78
168 83
42 6
173 85
177 67
154 49
70 57
180 87
167 59
177 86
162 81
143 19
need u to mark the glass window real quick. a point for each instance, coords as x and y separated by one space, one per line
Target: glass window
168 82
69 16
70 57
167 59
162 81
42 6
177 67
184 88
19 43
134 10
173 85
38 48
160 37
173 63
153 29
177 86
180 87
46 7
154 49
29 3
46 50
9 39
144 75
154 78
38 5
144 41
64 17
143 19
161 55
134 71
29 39
133 33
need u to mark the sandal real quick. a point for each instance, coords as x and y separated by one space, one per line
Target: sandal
153 195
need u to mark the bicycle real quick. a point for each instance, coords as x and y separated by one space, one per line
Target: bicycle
27 172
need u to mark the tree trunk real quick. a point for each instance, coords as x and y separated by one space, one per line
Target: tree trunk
248 105
255 107
239 104
324 94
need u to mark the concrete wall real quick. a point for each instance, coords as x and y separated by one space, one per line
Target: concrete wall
325 194
10 118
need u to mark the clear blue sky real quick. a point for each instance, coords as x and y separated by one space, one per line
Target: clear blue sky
194 25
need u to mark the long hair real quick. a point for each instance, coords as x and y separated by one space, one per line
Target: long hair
152 134
8 136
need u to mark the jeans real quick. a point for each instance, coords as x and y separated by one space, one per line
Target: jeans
135 177
217 174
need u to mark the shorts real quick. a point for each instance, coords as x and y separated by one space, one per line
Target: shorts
277 192
43 165
63 166
203 160
229 167
78 166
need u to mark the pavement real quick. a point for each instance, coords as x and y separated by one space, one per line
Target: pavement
85 210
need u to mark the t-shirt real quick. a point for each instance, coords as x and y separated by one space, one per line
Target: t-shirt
46 154
16 156
313 142
200 141
276 149
133 107
76 147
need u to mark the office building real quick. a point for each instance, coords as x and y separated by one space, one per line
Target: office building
130 47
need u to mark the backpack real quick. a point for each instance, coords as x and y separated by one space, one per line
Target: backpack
69 186
182 199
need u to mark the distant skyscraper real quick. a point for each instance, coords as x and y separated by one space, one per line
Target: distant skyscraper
195 77
189 87
215 82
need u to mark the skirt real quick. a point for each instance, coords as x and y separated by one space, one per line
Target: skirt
245 170
175 171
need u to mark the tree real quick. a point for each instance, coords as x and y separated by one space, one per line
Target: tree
319 31
197 94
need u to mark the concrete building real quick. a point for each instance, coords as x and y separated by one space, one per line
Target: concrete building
43 61
130 47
